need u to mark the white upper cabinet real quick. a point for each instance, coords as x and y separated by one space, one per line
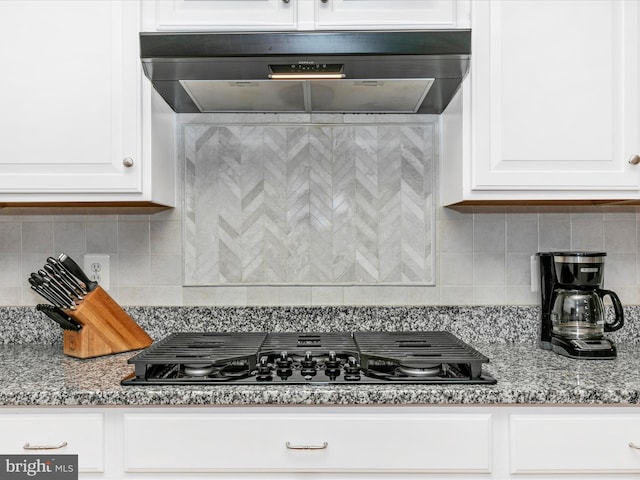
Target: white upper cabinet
310 14
551 109
225 14
73 106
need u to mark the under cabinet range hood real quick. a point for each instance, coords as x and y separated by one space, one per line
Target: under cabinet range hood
416 71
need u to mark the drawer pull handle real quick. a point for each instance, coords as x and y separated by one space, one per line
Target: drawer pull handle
633 445
307 447
28 446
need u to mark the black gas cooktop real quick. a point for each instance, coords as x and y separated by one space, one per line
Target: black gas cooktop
210 358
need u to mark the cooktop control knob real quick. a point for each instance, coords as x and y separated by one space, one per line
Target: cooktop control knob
264 369
352 370
332 361
332 366
283 365
308 365
283 361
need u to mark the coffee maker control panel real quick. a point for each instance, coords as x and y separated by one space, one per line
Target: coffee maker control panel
586 345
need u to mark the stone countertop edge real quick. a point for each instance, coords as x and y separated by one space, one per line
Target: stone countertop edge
526 375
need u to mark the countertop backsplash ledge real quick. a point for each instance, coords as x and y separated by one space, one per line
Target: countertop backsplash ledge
494 324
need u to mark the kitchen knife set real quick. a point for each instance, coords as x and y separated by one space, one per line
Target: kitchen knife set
62 282
93 323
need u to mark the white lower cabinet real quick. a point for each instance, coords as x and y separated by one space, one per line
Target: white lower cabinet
334 442
579 443
58 433
345 441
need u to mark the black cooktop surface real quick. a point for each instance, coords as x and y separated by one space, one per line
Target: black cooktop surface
223 358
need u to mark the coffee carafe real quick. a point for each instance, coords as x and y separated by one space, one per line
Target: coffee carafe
573 315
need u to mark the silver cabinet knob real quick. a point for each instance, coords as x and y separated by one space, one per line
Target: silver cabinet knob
127 162
634 159
285 1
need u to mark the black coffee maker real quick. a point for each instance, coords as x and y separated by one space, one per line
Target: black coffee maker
573 316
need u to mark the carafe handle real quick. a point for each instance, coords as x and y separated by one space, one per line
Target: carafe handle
617 308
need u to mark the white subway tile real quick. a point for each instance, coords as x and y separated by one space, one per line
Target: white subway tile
456 269
359 295
169 296
488 295
392 295
134 270
199 296
620 237
327 295
295 295
166 269
132 296
236 296
263 295
489 269
456 295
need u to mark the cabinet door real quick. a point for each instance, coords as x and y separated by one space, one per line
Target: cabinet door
574 443
330 14
310 14
555 95
79 434
70 97
337 442
226 14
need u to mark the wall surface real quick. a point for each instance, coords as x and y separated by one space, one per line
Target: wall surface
481 257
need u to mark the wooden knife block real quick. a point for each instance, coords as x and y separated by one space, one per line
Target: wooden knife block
106 328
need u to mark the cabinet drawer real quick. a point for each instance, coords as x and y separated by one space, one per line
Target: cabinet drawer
574 443
337 442
83 433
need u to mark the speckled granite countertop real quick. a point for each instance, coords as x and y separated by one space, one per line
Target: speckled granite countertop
36 372
43 376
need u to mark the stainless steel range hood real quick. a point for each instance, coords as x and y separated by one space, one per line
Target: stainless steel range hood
330 72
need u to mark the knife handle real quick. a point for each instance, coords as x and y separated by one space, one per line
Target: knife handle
74 269
74 325
44 295
58 316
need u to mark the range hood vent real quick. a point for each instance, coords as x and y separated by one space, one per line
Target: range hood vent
328 72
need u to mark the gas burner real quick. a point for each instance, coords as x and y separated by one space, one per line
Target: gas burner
209 373
198 370
421 372
308 358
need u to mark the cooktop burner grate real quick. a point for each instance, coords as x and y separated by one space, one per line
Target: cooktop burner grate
407 354
203 347
417 350
308 358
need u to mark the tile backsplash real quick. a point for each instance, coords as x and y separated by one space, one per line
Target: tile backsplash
321 204
481 258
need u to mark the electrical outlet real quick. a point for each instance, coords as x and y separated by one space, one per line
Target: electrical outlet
97 269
